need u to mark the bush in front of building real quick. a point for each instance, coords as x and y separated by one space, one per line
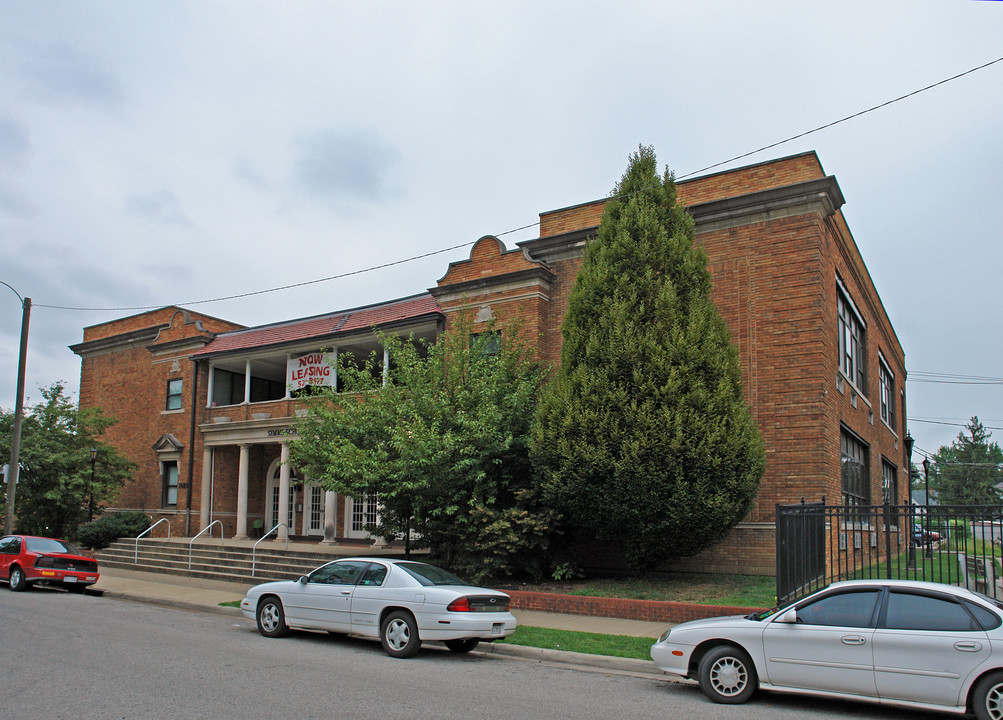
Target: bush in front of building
102 532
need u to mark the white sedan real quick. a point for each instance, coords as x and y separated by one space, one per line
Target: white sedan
912 644
399 602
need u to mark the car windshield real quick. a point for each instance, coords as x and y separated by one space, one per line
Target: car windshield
48 545
429 574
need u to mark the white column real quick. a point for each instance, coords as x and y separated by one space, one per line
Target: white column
283 532
386 366
288 387
330 518
247 381
212 374
242 473
205 505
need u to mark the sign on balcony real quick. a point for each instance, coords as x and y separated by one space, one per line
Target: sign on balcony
312 369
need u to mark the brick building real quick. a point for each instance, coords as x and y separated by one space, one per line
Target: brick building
823 370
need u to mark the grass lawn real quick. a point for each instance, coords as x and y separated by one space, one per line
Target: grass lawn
581 642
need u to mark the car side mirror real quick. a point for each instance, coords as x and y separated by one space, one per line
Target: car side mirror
791 617
303 580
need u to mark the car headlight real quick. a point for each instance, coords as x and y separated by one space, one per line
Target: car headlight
664 636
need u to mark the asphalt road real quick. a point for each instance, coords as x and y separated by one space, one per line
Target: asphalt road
69 656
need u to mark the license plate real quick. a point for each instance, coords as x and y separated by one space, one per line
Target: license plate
69 579
497 628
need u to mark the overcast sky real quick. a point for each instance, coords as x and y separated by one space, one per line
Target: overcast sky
156 153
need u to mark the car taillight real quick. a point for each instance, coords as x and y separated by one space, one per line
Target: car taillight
44 561
461 604
479 603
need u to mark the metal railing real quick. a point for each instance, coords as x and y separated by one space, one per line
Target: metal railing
254 550
207 528
148 531
818 544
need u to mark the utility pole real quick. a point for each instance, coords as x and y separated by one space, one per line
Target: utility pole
15 441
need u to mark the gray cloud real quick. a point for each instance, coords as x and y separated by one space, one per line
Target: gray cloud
63 74
160 206
14 144
345 166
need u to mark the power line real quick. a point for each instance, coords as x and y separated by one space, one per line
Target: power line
534 224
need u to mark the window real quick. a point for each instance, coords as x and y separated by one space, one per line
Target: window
923 612
487 343
170 483
848 609
364 514
174 394
854 470
889 483
886 383
852 359
339 573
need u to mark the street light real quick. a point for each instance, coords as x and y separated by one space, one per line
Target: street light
926 475
90 487
15 440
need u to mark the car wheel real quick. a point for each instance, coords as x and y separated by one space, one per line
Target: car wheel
271 618
18 581
399 635
462 646
987 697
727 675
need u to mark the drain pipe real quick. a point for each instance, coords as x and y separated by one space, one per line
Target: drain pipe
191 449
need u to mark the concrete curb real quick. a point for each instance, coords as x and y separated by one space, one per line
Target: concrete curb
176 604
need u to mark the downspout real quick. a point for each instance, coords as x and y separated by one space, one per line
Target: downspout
191 449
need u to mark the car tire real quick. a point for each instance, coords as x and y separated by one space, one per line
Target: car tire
727 675
399 635
271 618
462 646
18 581
987 697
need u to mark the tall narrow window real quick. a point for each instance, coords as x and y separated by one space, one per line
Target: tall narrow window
886 381
852 357
889 483
854 470
170 483
174 394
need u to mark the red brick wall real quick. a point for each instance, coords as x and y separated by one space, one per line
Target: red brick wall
647 610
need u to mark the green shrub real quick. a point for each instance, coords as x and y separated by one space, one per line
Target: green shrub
102 532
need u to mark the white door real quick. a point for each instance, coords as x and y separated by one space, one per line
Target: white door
360 513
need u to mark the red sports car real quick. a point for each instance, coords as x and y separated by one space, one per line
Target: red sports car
27 560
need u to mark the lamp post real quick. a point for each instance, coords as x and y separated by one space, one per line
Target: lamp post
15 440
909 442
90 486
926 476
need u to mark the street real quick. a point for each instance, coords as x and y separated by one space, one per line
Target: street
69 656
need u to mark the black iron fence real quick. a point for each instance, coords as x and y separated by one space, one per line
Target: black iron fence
818 544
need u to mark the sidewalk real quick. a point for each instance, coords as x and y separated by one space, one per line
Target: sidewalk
206 595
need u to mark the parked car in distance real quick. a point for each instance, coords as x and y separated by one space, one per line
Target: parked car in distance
922 536
398 602
912 644
27 560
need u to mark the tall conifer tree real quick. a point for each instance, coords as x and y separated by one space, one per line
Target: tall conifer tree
644 438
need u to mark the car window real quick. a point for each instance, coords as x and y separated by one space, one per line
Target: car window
5 544
845 609
429 574
908 611
43 545
15 546
986 618
338 573
374 575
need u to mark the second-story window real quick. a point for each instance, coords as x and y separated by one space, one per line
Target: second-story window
852 356
886 382
174 394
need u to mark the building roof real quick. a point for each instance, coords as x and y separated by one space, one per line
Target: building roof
341 322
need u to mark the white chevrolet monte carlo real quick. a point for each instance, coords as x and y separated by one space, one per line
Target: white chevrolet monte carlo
398 602
911 644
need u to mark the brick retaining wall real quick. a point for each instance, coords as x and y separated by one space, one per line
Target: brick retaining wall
648 610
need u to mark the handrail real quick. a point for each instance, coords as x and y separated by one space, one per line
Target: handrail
254 550
149 530
207 528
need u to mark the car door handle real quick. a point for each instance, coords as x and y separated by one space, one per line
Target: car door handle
968 646
852 640
346 592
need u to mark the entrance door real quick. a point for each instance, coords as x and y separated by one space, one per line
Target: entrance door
360 513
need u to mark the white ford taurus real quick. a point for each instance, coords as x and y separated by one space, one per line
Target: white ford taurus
399 602
912 644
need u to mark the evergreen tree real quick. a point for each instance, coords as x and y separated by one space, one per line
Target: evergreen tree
644 437
967 471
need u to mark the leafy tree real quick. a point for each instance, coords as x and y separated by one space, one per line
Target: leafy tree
54 489
444 445
967 471
644 438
